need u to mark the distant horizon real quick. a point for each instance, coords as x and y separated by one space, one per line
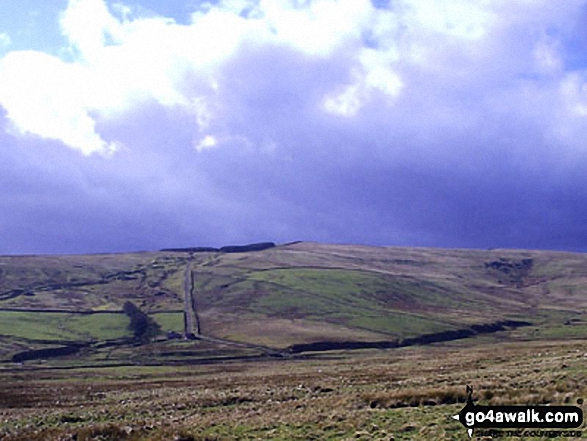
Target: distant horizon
278 244
145 125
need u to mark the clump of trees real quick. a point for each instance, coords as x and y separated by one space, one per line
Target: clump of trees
143 327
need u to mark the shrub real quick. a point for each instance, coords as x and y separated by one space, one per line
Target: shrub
143 327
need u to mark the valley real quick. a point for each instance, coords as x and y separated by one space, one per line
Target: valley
353 325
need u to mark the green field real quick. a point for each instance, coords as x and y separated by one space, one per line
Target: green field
63 326
169 321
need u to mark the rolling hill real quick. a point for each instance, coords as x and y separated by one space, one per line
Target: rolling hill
275 300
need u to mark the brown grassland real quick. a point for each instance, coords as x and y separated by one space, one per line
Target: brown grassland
242 379
398 394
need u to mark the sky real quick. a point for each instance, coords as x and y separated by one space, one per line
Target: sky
141 124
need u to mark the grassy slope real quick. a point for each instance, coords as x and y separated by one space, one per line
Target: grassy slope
403 394
366 292
298 293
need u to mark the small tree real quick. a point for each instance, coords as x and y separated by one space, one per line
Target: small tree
143 327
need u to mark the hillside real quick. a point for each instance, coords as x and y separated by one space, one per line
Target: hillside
252 303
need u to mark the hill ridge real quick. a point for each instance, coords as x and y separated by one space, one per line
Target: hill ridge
293 294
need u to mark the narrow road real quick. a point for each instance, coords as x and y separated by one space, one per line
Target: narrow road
190 313
191 319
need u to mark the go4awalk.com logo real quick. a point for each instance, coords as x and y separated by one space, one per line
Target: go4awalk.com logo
475 417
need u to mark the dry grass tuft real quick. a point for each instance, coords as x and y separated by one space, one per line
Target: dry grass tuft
415 397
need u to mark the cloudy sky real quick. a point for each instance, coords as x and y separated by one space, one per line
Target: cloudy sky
142 124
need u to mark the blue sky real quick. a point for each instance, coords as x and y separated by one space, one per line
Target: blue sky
146 124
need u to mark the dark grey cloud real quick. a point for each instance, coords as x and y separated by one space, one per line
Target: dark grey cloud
483 146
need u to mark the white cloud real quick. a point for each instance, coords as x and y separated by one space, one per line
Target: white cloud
4 40
88 25
414 34
547 57
376 75
215 141
116 66
205 143
573 88
119 62
347 103
465 19
45 96
320 27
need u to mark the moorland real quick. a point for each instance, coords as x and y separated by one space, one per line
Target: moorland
295 341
